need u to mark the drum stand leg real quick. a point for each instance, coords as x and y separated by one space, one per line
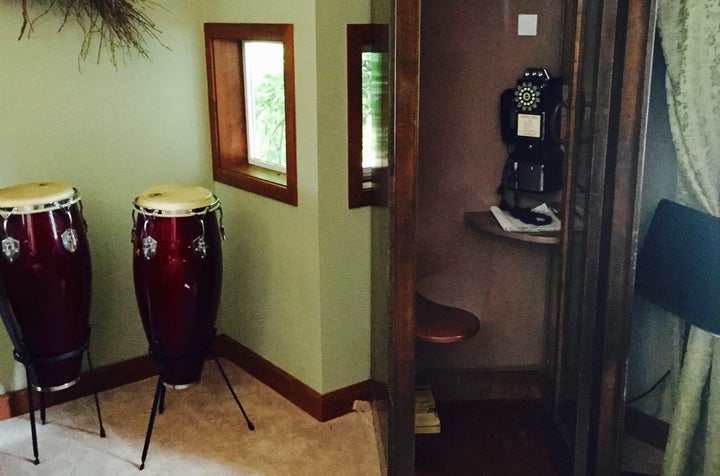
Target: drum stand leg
95 392
161 408
237 400
42 407
23 357
159 389
158 406
31 409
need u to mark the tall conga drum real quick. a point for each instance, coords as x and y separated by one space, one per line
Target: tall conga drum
46 270
177 269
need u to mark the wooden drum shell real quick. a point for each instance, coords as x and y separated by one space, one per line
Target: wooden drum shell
178 293
49 290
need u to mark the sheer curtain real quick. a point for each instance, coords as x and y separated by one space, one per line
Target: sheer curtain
690 33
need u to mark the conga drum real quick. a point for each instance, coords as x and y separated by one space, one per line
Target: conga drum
46 270
177 269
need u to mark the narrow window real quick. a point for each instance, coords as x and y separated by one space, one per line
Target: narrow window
251 89
366 91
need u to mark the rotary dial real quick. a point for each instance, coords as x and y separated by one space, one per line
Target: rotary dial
527 96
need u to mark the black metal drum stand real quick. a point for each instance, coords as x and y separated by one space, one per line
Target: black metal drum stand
158 404
23 355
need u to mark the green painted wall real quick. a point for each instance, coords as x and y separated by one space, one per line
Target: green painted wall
273 250
109 132
295 278
344 244
302 273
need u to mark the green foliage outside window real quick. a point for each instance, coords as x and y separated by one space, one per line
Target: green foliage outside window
372 88
269 97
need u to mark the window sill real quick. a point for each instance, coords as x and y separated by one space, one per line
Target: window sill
259 180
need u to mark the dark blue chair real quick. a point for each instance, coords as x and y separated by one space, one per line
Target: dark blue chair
678 265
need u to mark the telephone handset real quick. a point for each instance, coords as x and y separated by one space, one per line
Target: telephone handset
529 122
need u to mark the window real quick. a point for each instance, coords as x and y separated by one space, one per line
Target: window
251 91
366 91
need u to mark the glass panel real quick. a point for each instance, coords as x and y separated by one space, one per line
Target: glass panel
577 326
367 89
265 103
576 255
372 93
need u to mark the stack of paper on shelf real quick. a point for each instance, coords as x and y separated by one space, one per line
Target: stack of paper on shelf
426 415
510 223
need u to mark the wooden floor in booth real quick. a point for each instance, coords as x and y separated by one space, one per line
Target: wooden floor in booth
488 438
509 438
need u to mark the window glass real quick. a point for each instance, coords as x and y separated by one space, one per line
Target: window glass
265 103
372 90
367 92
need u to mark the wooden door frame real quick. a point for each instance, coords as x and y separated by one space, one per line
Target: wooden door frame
625 60
633 47
625 163
624 51
405 47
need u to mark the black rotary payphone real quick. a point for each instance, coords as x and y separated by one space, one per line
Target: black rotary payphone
530 123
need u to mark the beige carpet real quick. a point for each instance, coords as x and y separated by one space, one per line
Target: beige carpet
201 432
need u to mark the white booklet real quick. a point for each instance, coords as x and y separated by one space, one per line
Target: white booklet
509 223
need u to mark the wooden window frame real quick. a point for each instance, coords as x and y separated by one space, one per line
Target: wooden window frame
360 37
226 97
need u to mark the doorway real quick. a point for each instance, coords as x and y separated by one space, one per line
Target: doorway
613 98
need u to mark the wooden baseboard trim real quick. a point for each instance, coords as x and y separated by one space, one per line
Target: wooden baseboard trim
646 428
5 407
105 378
322 407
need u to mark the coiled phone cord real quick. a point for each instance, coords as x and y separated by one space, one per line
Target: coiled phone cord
525 215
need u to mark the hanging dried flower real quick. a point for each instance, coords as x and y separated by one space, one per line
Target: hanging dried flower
119 26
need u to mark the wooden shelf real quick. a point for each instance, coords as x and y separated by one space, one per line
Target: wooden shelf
485 222
439 324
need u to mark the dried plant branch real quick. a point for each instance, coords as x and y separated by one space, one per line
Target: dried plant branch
119 26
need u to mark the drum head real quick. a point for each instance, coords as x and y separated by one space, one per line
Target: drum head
176 200
35 195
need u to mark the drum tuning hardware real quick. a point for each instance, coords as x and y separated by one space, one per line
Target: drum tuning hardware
199 244
222 228
149 247
149 244
5 214
70 240
133 233
200 247
69 236
10 248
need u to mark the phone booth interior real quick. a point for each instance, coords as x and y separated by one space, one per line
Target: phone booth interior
490 122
